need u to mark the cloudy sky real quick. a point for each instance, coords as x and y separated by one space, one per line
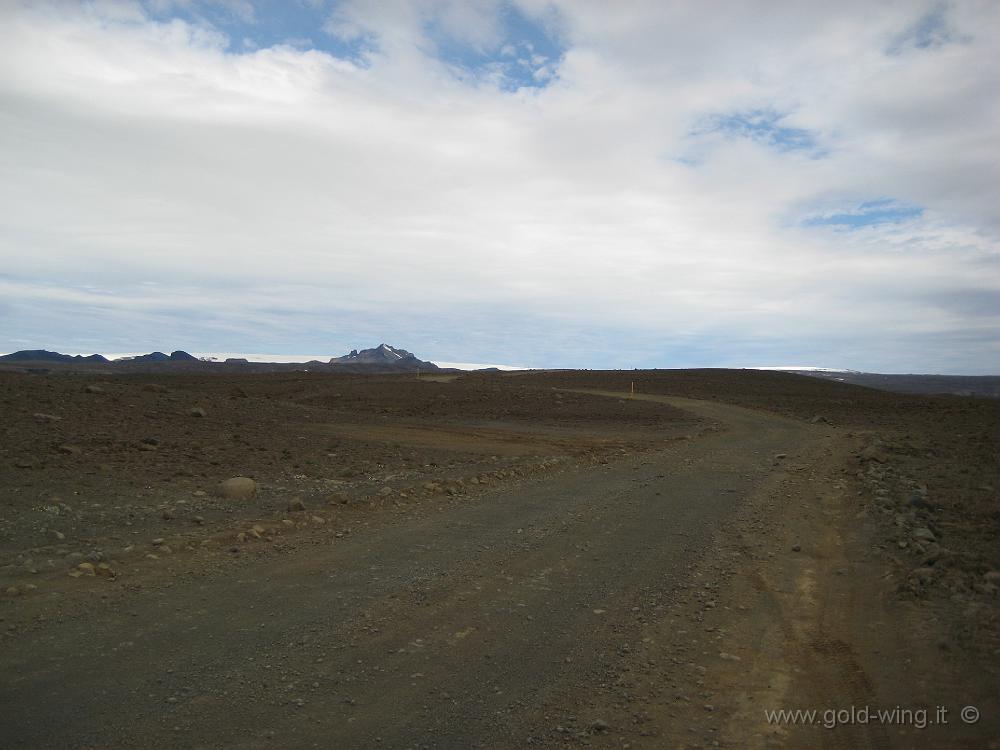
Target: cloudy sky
564 183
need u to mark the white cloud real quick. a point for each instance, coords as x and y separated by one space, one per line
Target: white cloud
133 149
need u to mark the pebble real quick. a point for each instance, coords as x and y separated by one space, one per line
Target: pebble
924 575
924 533
237 488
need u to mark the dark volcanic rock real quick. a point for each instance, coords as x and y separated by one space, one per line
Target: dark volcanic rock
153 357
384 356
43 355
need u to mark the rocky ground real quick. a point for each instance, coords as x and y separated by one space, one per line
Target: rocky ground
114 474
492 560
928 469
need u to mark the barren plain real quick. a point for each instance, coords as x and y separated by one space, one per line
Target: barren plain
541 559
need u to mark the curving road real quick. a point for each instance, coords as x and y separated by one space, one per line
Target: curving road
475 626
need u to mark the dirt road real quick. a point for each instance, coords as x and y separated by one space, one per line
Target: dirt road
591 606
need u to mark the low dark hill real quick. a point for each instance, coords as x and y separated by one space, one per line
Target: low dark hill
957 385
790 394
43 355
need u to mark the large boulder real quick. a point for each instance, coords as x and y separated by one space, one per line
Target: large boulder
237 488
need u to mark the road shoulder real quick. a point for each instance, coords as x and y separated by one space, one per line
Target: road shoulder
795 608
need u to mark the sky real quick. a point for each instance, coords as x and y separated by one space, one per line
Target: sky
547 183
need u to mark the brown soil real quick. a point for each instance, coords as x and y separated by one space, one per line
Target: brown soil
105 472
493 561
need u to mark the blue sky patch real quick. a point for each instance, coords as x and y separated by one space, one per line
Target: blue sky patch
527 55
763 126
866 214
252 26
931 31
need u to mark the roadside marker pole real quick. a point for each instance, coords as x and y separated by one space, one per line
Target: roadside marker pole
631 392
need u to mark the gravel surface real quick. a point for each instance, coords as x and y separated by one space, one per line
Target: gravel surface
661 597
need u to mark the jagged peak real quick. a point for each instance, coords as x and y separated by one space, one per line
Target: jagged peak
383 354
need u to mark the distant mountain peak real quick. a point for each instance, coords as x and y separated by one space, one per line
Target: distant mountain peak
176 356
384 355
151 357
387 350
43 355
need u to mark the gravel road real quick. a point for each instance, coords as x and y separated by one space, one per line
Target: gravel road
473 626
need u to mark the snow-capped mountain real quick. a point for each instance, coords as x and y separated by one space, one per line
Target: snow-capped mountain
384 355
